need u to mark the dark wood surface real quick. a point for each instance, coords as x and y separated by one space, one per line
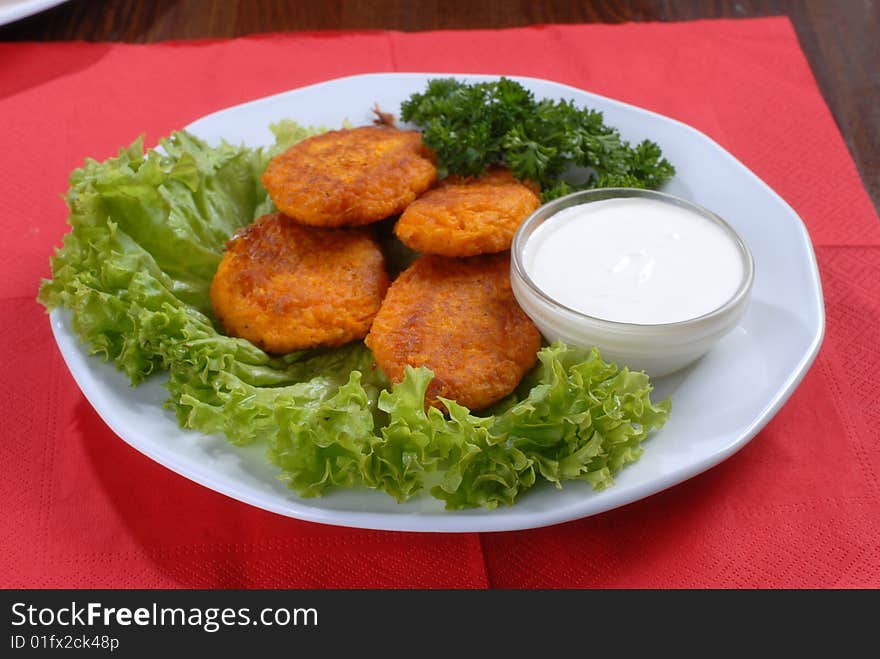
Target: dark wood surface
841 38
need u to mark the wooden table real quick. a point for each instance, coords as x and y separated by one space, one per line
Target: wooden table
841 38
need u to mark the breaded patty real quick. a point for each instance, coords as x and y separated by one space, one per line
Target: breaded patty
287 287
464 217
459 318
350 177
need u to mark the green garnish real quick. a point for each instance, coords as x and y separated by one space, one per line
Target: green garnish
554 143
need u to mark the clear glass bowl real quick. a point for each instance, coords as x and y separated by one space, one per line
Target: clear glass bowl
658 349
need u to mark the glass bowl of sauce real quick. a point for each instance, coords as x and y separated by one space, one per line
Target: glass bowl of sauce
652 280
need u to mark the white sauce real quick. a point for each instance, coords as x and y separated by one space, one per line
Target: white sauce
634 260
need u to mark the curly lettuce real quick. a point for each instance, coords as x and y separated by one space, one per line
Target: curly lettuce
148 230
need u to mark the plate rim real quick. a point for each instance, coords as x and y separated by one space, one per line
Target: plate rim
475 520
20 10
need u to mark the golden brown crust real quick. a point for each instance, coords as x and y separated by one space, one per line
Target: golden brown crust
459 318
287 287
350 177
465 217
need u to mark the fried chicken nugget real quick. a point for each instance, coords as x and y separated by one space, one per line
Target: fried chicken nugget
459 318
350 177
287 287
468 216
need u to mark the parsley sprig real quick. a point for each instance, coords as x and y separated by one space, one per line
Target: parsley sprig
553 142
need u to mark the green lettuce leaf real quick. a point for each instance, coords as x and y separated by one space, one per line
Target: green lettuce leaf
148 231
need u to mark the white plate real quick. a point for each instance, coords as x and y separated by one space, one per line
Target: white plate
13 10
718 404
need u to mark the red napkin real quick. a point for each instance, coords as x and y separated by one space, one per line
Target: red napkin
798 507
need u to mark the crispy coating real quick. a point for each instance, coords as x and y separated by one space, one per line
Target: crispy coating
459 318
287 287
350 177
465 217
